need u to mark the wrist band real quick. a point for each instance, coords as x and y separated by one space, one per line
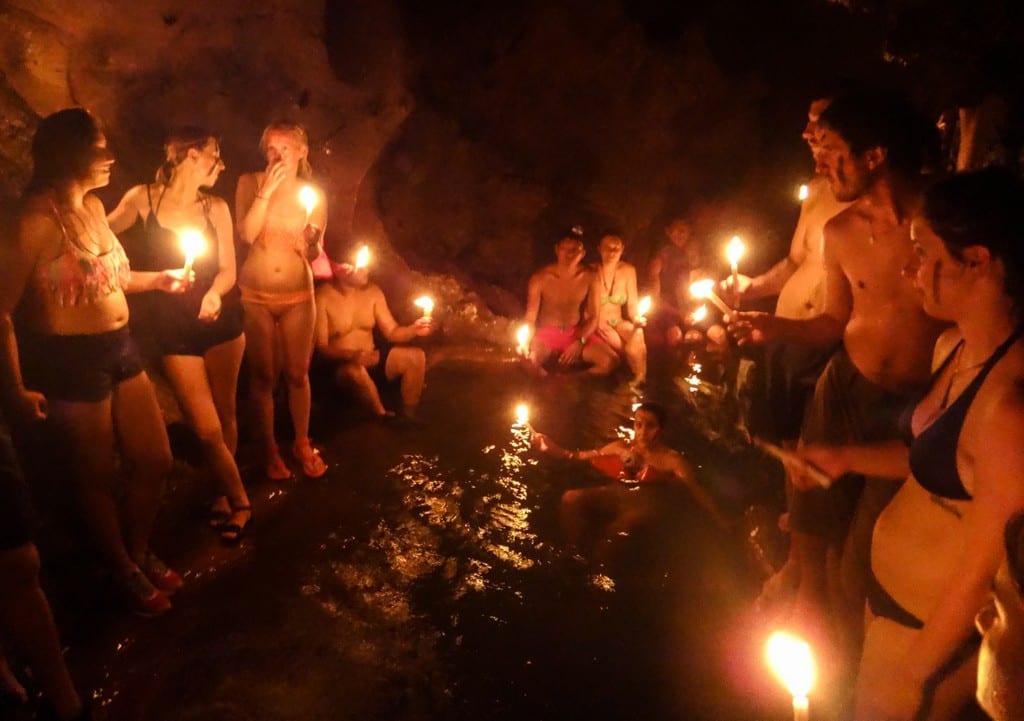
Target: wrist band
262 197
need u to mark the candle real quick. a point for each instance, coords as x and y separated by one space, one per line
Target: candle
705 290
699 315
734 251
363 257
792 661
426 304
308 197
522 415
193 243
643 307
803 193
523 339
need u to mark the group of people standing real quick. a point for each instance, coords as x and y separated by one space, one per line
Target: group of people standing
916 413
69 356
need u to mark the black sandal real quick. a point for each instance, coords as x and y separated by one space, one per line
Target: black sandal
231 532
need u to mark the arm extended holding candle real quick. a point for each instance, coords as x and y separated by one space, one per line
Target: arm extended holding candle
798 466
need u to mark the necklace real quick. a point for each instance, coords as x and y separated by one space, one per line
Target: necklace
608 286
957 370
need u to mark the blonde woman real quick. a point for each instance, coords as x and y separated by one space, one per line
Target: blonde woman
284 236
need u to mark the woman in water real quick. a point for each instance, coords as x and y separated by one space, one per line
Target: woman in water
613 310
198 333
276 281
938 544
79 367
644 462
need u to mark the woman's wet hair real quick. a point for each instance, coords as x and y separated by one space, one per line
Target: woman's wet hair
868 119
982 208
296 131
176 147
655 409
63 148
1013 538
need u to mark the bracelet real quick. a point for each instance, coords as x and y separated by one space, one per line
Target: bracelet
262 197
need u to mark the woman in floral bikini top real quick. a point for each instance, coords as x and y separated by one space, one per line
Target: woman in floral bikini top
74 350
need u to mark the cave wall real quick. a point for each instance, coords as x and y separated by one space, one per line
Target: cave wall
145 66
456 137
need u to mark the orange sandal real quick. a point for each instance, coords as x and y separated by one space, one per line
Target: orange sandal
312 464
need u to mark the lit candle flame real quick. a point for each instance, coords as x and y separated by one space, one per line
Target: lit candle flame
193 243
425 303
705 290
644 306
803 193
735 250
791 660
523 338
522 414
363 257
309 198
699 315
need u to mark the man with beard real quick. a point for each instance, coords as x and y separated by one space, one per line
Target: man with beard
873 151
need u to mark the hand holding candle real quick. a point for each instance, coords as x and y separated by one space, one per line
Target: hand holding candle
705 290
522 415
699 315
523 340
426 304
792 661
193 244
309 198
642 309
734 251
362 257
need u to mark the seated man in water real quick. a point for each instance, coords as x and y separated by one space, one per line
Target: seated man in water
641 463
1001 623
554 297
348 309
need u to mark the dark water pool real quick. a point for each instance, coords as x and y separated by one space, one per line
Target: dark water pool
426 577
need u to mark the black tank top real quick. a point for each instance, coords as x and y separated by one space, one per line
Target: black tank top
933 452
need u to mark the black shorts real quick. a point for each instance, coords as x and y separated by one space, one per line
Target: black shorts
17 521
179 331
80 368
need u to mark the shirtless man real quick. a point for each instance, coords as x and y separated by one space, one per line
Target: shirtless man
554 297
872 156
347 311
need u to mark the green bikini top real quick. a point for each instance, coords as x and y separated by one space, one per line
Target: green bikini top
614 299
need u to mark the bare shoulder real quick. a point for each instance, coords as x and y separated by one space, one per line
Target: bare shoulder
944 345
37 224
326 295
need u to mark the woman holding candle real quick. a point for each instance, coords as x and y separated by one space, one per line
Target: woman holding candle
78 366
938 544
644 460
284 236
613 307
198 333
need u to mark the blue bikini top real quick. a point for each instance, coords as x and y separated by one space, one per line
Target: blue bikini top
933 451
